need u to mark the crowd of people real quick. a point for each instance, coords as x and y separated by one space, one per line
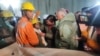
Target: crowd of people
61 30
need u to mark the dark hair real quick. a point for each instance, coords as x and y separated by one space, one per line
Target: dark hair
84 9
52 18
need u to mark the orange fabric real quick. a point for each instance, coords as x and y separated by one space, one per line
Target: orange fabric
25 34
90 42
85 34
93 45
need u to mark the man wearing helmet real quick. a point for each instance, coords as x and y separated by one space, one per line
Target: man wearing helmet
25 34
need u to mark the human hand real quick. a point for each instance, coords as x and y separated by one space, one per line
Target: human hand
44 43
42 34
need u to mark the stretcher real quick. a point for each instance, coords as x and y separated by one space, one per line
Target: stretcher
15 50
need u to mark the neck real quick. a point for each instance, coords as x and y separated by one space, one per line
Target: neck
26 18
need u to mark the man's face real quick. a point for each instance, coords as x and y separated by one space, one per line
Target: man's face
49 22
59 15
29 14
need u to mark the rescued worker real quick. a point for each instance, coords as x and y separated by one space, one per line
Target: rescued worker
41 35
25 34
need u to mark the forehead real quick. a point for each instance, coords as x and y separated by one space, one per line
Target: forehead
58 13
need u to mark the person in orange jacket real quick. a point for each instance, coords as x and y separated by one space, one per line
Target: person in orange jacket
25 34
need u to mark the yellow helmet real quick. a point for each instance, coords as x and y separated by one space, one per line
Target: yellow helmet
6 13
35 20
27 6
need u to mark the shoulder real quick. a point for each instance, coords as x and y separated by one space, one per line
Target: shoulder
24 24
28 24
66 23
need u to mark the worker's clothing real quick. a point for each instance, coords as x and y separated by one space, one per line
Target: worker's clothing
67 28
49 35
5 34
25 34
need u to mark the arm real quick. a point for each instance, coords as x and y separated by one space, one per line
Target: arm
42 36
46 31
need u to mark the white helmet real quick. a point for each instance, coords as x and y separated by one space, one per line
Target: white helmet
45 16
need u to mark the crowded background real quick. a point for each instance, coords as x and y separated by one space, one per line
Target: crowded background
55 24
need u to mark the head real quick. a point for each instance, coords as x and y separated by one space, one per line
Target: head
7 15
9 19
60 14
27 10
78 13
36 25
50 20
28 14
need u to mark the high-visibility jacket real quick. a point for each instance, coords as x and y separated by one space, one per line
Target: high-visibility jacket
25 34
